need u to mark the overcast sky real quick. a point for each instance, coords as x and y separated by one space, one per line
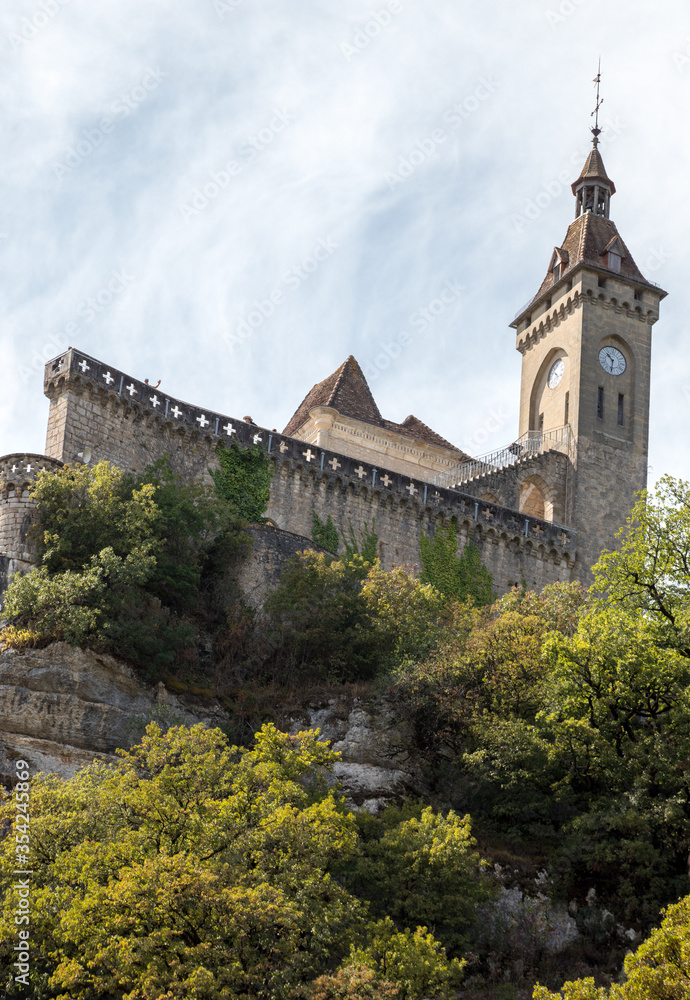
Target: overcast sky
234 195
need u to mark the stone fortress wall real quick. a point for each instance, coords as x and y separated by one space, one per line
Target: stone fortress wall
17 512
116 417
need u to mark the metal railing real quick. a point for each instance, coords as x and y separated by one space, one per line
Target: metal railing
530 444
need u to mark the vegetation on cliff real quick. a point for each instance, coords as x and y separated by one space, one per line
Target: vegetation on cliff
197 869
560 722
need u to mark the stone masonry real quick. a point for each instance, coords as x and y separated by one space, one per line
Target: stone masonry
94 406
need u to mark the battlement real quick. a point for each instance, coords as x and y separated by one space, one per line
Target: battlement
125 421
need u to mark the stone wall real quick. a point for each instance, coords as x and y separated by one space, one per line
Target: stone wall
18 512
271 548
130 424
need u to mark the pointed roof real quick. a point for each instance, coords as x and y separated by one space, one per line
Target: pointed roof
348 392
414 427
588 239
594 170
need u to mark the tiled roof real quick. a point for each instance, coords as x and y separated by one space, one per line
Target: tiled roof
594 169
348 392
586 240
414 427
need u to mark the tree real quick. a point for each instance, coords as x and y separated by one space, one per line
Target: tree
650 570
420 867
197 869
455 576
408 616
193 869
413 960
319 619
122 558
84 509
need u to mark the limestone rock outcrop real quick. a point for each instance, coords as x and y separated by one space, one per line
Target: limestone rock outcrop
61 708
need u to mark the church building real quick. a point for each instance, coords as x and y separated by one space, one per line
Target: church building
585 340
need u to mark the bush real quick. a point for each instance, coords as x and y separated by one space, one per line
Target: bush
407 615
121 559
418 866
413 960
319 621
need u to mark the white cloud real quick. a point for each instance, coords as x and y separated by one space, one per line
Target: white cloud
323 177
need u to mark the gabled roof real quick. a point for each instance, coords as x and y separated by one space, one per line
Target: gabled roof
586 241
348 392
414 427
594 170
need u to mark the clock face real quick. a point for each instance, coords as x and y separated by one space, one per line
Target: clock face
611 360
556 373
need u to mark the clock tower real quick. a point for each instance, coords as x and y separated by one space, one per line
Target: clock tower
585 340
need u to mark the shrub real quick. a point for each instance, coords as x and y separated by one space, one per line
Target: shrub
319 621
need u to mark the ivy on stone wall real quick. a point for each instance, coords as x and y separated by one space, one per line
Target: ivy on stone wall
325 533
244 480
367 548
456 576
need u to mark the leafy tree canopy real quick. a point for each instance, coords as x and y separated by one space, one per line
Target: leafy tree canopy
197 869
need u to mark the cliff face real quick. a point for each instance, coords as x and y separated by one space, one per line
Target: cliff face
61 708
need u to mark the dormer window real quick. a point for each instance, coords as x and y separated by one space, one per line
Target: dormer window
612 255
559 263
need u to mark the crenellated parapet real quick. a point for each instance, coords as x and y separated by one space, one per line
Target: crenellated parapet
18 511
125 421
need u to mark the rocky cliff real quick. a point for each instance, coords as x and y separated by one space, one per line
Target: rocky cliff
61 708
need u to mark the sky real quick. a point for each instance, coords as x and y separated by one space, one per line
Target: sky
232 196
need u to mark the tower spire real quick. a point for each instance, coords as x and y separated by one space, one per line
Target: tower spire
596 131
593 188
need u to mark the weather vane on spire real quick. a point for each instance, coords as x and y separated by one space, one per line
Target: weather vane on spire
596 131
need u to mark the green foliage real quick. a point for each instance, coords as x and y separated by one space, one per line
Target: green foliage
197 869
320 621
85 509
243 480
121 558
658 970
189 526
192 869
414 961
489 665
420 867
455 576
324 534
407 616
353 982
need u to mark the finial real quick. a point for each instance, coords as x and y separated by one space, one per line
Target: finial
596 131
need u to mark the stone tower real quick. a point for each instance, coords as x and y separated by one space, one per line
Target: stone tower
585 341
